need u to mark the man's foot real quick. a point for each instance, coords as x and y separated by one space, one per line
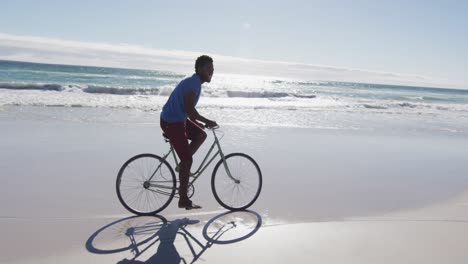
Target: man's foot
188 205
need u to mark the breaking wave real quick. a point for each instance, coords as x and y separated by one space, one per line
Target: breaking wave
27 86
121 90
265 94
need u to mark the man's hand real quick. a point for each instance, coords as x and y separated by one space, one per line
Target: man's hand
210 124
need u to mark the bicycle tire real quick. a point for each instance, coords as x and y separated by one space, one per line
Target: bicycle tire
133 177
227 192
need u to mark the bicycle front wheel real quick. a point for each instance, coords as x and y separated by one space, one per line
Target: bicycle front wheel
237 183
146 184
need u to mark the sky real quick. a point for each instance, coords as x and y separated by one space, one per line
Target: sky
415 40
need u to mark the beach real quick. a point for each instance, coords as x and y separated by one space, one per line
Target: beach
354 114
329 195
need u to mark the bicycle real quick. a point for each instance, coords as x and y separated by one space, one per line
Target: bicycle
146 183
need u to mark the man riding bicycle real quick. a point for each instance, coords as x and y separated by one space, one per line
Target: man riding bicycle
179 123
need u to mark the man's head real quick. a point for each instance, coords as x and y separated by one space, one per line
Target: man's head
204 68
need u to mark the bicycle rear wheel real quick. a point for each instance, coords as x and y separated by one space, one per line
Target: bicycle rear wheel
146 184
243 189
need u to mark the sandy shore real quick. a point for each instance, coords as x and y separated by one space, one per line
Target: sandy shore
329 196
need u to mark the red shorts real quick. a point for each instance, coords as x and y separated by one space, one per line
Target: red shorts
179 133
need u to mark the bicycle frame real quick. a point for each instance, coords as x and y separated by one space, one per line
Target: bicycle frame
203 165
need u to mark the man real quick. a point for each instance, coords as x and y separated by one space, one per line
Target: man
179 122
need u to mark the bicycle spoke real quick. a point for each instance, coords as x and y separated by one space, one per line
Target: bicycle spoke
136 193
238 195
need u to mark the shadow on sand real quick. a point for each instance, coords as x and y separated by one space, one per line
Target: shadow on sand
140 235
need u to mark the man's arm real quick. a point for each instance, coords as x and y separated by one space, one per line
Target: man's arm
189 102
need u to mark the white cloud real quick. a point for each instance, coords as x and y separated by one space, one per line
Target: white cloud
51 50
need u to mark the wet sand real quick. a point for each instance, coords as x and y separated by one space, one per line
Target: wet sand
329 196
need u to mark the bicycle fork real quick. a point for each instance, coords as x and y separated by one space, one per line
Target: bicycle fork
223 158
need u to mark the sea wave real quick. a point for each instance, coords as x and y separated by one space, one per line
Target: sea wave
394 105
266 94
369 106
121 90
304 95
164 90
217 96
93 89
406 104
29 86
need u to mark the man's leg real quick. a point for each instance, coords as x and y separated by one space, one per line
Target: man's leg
196 134
184 175
197 137
178 137
183 151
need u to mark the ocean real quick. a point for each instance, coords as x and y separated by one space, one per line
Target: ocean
239 99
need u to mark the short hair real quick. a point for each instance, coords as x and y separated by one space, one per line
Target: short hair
202 61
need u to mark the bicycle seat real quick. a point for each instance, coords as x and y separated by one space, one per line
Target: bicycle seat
166 138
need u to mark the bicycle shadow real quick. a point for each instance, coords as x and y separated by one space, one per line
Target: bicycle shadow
140 234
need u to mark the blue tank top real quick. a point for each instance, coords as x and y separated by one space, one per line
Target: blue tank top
174 109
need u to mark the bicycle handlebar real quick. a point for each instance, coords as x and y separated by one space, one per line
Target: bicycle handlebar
212 128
